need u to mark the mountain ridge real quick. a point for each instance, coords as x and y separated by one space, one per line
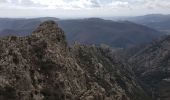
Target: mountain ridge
91 31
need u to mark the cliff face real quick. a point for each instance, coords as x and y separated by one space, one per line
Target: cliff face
43 67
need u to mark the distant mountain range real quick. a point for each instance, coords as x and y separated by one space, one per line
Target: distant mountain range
155 21
88 31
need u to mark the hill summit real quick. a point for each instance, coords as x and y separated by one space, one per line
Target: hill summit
42 67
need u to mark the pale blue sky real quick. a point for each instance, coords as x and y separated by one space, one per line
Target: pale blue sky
82 8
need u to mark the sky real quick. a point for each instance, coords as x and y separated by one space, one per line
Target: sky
82 8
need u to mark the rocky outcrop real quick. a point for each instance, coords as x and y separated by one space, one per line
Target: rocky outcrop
113 76
43 67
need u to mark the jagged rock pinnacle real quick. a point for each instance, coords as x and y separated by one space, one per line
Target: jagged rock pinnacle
43 67
49 30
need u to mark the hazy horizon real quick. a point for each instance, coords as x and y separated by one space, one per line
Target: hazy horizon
81 8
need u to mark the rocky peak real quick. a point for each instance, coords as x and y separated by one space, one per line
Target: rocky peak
49 30
39 67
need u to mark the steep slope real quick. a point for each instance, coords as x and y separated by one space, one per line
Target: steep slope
151 65
108 72
42 67
88 31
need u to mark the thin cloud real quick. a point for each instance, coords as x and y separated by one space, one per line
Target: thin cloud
73 4
54 4
156 4
119 4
